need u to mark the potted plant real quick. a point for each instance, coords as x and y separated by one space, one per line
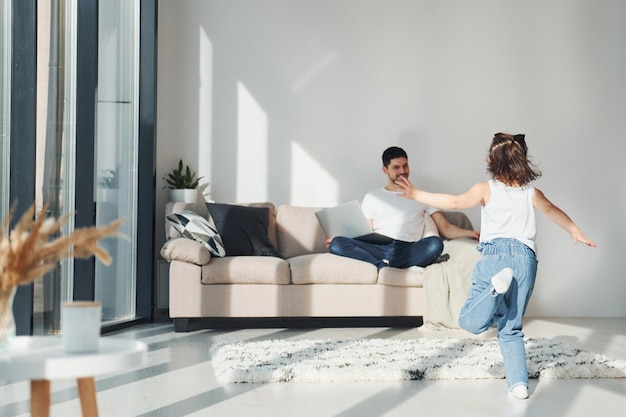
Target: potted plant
109 182
110 179
182 183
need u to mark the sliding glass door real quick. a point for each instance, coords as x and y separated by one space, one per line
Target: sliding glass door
74 139
116 152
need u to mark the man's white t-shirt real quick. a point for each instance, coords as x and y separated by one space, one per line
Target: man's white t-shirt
395 216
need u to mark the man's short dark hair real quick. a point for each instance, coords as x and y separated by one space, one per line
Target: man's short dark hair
392 153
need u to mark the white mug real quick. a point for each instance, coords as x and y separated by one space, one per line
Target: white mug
80 326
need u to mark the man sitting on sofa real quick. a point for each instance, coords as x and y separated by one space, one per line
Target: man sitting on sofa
400 219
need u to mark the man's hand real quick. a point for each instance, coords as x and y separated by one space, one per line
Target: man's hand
473 234
451 231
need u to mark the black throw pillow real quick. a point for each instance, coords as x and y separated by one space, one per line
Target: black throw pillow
243 229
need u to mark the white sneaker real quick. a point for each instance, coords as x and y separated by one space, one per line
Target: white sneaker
519 391
502 280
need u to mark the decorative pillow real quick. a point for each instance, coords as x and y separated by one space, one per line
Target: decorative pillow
243 229
186 250
196 227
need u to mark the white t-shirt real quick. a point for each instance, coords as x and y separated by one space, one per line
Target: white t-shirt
509 214
395 216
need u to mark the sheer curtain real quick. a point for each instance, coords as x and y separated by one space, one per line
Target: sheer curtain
55 146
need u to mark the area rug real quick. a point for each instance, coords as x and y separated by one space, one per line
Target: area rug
396 359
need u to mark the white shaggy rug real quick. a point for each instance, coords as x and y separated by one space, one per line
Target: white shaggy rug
395 359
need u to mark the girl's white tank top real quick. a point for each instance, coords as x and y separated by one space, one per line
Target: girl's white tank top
509 214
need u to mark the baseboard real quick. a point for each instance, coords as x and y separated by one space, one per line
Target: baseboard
191 324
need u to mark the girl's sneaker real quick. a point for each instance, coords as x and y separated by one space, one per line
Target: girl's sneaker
502 280
519 391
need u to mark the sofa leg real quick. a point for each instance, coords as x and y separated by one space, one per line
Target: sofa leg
181 325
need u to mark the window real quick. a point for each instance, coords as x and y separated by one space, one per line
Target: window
117 135
81 147
5 104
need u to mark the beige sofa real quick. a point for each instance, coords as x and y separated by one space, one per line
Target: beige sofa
306 281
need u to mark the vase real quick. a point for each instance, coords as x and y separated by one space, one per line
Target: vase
7 322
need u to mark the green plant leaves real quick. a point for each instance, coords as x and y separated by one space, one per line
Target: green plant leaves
182 178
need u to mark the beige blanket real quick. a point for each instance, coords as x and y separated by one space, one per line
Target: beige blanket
445 296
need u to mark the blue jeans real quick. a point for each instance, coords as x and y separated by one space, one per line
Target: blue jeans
400 254
484 308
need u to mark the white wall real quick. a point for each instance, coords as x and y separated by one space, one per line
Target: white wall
294 101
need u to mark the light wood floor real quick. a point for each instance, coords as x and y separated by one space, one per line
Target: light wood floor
178 380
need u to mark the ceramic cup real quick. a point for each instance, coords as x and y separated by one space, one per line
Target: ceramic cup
80 326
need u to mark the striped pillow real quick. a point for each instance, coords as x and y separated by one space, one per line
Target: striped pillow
196 227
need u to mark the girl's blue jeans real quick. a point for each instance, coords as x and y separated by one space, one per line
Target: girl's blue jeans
484 308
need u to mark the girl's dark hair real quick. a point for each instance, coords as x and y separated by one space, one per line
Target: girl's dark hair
508 160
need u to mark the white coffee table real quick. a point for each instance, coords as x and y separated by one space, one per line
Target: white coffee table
42 359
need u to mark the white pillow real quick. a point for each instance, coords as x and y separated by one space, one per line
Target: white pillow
196 227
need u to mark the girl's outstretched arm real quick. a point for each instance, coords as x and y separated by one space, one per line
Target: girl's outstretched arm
475 195
559 217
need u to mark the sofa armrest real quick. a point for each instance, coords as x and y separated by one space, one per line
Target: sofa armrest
186 250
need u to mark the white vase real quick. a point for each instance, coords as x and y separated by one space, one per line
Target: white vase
7 321
184 196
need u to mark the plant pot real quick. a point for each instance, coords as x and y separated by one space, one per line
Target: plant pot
184 196
109 195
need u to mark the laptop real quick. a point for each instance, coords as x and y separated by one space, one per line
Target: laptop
348 220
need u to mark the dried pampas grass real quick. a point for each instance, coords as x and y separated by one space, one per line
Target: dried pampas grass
30 250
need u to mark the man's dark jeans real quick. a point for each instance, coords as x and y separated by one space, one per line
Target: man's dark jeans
398 253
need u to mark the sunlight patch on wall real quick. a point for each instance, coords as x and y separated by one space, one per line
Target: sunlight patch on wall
314 71
205 113
252 148
311 184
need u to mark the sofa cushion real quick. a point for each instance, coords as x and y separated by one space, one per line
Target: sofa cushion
244 229
196 227
187 250
326 268
246 270
400 277
299 231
